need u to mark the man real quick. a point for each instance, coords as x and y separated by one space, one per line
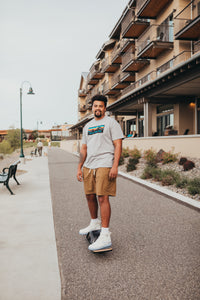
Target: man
99 156
39 147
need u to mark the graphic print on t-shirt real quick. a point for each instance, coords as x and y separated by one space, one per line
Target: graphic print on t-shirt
96 129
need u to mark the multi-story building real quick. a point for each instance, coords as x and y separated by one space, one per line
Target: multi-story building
149 70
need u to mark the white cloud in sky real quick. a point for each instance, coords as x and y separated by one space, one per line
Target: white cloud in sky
49 43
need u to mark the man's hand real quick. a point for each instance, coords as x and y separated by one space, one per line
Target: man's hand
79 175
113 172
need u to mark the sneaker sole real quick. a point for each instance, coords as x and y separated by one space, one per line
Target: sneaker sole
106 249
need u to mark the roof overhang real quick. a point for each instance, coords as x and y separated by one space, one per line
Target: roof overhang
178 84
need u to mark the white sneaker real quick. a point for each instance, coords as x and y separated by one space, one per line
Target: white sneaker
103 243
91 227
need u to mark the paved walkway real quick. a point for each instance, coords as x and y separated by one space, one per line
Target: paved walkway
28 255
156 242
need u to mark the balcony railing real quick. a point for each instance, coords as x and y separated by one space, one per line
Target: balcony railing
196 46
108 66
180 58
132 27
128 56
150 8
82 108
115 56
156 36
149 77
187 22
130 63
82 92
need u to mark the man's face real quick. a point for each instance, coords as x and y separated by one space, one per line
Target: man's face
98 109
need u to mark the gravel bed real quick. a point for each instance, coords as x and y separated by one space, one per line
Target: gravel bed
191 174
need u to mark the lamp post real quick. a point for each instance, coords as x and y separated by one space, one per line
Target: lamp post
30 92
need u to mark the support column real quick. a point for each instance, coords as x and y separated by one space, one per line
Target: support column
147 119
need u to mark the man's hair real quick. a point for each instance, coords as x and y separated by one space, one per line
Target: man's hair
99 98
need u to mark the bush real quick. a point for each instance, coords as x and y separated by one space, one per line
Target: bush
132 162
188 165
157 174
194 186
182 182
13 137
150 157
5 147
121 161
125 152
182 161
135 153
148 172
168 157
168 180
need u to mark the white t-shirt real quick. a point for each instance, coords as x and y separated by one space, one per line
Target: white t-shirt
99 135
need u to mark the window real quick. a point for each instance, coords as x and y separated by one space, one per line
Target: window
165 117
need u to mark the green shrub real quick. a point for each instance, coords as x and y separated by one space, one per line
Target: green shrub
150 157
135 153
132 162
194 186
168 180
182 182
13 137
125 152
5 147
169 157
148 172
156 174
121 161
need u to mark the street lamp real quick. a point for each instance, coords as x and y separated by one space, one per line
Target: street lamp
30 92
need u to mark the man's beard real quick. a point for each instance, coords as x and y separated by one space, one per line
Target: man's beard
98 114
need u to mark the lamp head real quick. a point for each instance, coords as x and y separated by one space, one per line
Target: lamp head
30 92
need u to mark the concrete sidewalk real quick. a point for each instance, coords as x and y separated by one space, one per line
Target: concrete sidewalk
28 254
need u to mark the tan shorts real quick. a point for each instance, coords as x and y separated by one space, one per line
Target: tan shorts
96 181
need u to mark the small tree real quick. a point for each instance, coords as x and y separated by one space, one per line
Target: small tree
13 137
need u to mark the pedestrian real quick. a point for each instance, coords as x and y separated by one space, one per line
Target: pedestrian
99 156
39 147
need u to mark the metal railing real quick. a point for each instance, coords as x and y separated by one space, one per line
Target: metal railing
116 50
115 78
163 32
183 56
128 56
105 63
149 77
127 20
185 16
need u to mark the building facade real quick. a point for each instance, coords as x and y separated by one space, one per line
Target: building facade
149 69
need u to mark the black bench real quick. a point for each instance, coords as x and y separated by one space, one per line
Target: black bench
8 173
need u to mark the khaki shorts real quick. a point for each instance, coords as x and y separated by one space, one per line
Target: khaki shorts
96 181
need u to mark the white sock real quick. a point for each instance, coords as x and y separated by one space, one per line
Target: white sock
94 221
104 230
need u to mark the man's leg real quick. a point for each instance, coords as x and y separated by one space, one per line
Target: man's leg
95 223
92 205
105 210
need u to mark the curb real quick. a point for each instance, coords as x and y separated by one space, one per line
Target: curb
180 198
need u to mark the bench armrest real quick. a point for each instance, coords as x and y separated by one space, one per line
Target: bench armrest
5 169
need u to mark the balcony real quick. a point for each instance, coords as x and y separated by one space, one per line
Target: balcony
187 22
88 102
82 93
95 74
126 44
116 82
127 77
154 41
116 54
180 58
82 108
150 8
108 90
130 63
108 66
133 27
147 78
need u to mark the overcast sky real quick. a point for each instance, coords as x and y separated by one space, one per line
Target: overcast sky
49 43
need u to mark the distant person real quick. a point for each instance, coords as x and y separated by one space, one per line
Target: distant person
39 147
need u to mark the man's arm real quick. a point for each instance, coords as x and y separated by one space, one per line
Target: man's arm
83 155
117 155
